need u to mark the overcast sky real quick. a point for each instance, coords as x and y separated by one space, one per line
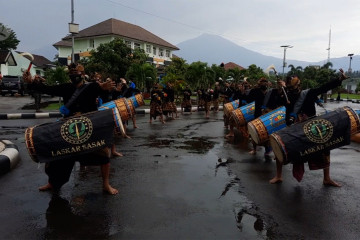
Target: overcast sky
258 25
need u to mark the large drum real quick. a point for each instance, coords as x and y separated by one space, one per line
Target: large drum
230 106
243 115
70 137
124 106
137 100
261 127
119 127
300 142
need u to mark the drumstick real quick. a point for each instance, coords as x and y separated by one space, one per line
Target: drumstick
272 67
30 57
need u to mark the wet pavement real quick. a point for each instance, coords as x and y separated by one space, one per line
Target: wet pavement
181 180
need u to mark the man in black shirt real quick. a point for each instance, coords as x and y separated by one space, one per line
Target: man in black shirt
300 107
78 98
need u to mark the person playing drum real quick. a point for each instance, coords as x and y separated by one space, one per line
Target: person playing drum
258 95
301 106
78 98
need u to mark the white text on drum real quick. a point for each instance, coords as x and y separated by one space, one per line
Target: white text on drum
321 147
76 149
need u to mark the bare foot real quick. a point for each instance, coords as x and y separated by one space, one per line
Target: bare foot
117 154
109 189
331 183
46 187
275 180
135 126
252 152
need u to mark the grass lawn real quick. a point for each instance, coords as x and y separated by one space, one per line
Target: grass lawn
345 96
53 106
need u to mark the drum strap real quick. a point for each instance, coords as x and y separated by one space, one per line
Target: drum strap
300 101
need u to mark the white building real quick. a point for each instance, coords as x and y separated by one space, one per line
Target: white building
158 50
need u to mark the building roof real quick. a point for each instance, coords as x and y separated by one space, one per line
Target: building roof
63 43
231 65
119 28
6 56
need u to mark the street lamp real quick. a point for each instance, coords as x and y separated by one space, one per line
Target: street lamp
73 29
350 55
284 62
349 71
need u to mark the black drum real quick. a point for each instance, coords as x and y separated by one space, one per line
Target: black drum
300 142
70 137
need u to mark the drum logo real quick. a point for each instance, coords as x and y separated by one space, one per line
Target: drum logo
277 119
77 130
318 131
250 110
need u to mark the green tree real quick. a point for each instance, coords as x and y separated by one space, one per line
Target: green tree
111 59
254 73
196 75
56 76
143 74
10 42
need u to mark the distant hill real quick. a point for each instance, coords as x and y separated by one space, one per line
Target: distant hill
215 50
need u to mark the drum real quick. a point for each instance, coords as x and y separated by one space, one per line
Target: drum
70 137
301 142
119 127
357 112
137 100
243 115
261 127
230 106
123 108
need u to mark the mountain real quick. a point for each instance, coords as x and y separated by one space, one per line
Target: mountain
215 50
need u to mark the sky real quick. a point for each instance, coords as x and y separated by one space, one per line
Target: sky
258 25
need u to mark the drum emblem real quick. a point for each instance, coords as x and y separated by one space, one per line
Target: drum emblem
250 110
318 131
77 130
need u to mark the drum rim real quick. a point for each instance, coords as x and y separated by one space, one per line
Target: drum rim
277 144
251 127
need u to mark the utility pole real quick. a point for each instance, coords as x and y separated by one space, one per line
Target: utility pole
328 49
73 29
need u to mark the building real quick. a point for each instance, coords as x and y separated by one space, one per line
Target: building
158 50
6 60
14 64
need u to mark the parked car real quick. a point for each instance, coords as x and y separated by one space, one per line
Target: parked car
12 85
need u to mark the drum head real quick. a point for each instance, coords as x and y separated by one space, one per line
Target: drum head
276 145
253 133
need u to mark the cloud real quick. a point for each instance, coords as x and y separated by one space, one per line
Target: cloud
259 25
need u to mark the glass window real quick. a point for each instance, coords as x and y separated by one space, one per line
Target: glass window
137 46
128 43
148 48
154 50
161 52
92 43
167 53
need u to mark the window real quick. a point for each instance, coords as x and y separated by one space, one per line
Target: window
167 53
137 46
161 52
92 43
154 50
148 48
128 43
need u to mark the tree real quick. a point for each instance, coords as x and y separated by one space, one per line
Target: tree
56 76
254 73
111 59
10 42
143 74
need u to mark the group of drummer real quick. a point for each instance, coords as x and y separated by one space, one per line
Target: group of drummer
300 106
82 95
